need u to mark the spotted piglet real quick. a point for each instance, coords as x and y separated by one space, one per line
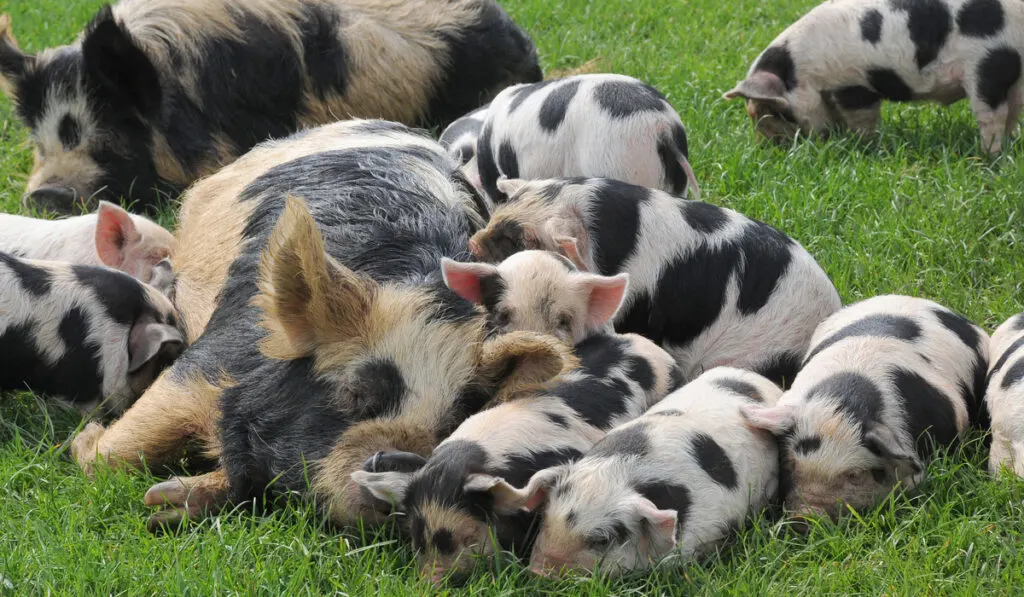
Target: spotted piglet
539 291
604 125
886 383
453 503
90 335
676 480
1005 397
459 138
710 285
836 64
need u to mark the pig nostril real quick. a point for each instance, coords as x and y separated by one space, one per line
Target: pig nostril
60 199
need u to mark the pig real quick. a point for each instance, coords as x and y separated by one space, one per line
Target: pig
1005 397
459 138
332 335
834 66
710 285
156 94
91 336
110 237
886 383
539 291
592 125
449 501
677 481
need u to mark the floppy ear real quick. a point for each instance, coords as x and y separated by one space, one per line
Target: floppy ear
882 441
115 233
760 85
465 278
568 246
776 420
116 65
510 186
508 499
162 277
521 361
661 524
13 62
606 296
394 462
308 299
149 340
387 487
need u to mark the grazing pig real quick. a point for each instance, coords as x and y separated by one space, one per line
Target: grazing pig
835 65
459 139
676 480
711 286
92 336
333 336
608 126
156 94
110 237
1005 397
539 291
886 382
450 501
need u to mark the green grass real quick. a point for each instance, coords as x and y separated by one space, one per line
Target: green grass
914 211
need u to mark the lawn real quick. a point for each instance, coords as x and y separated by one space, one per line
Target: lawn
914 211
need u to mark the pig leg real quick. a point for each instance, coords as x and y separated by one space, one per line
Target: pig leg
186 498
995 99
155 429
1014 103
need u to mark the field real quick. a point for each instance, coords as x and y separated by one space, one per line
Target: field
914 211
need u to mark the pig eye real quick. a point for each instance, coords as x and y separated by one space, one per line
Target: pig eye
565 323
599 541
502 318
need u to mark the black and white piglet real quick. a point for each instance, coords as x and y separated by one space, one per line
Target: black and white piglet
611 126
453 502
676 480
459 138
886 382
837 63
1005 397
90 335
710 285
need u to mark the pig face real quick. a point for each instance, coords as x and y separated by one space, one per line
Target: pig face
833 462
87 107
780 109
541 292
131 244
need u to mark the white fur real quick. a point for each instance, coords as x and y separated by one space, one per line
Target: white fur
459 138
1006 405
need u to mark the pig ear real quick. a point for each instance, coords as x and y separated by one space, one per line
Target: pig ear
569 247
465 279
115 233
510 186
508 499
162 277
149 340
522 361
13 62
661 524
394 462
308 299
760 85
387 487
776 420
116 64
883 442
606 296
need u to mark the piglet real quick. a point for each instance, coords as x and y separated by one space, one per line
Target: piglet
459 138
611 126
110 237
452 503
675 481
708 284
92 336
886 383
837 63
1005 397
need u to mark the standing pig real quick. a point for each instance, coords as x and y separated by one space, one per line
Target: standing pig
156 94
110 237
454 502
609 126
886 383
676 480
91 335
459 139
539 291
710 285
1005 397
836 64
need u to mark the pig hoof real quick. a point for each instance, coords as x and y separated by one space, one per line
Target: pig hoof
169 493
168 520
83 447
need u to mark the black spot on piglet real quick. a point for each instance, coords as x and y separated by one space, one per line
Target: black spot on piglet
890 85
930 24
556 104
980 18
871 26
33 280
628 441
738 386
998 72
621 99
713 459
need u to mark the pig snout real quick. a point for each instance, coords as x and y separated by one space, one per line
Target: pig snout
550 566
59 199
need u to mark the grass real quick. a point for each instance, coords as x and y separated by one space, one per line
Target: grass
915 211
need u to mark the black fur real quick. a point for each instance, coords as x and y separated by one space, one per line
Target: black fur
929 23
738 386
668 496
873 326
556 104
33 280
890 85
622 99
626 441
524 93
778 61
558 419
871 26
930 417
70 132
766 257
998 72
600 394
614 223
640 370
324 54
458 128
1013 375
962 327
122 296
76 376
507 161
676 379
807 445
855 395
705 218
780 369
856 97
487 164
1003 358
980 18
713 459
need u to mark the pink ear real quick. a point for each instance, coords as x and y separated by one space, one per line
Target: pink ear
606 296
663 522
571 249
535 499
776 420
114 231
464 278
